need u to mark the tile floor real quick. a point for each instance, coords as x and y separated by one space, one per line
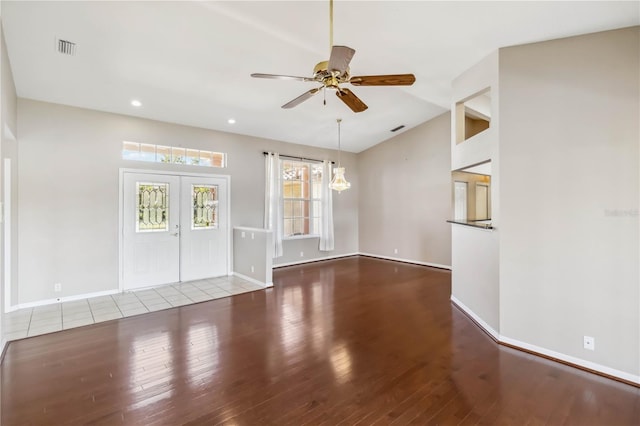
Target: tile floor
62 316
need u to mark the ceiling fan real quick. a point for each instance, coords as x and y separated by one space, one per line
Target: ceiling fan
330 74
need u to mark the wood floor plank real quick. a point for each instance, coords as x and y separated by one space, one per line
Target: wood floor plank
355 341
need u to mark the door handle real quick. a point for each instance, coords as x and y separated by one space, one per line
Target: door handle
176 234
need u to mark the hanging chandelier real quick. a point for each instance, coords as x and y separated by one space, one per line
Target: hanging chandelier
339 183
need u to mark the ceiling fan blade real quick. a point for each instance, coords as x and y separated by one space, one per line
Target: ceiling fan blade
383 80
351 100
300 99
340 58
281 77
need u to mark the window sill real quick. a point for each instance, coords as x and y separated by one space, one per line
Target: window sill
301 237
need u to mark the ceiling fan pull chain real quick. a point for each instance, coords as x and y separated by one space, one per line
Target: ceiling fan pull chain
324 94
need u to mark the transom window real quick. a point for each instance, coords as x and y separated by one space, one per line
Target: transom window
172 154
302 182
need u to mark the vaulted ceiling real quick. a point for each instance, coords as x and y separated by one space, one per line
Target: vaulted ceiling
190 62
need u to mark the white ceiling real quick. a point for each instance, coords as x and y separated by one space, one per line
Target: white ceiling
189 62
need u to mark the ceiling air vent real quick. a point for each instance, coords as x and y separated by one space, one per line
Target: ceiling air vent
397 128
66 47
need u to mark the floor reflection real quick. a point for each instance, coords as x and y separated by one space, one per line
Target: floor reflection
353 341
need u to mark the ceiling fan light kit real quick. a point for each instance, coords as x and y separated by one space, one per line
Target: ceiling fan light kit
334 72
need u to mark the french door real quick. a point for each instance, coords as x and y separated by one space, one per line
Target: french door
174 228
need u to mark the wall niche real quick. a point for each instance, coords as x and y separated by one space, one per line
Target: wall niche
473 115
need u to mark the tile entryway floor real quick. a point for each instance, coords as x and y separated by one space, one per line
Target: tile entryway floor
63 316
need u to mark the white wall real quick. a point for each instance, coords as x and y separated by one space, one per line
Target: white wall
569 151
475 282
68 192
405 192
253 254
8 130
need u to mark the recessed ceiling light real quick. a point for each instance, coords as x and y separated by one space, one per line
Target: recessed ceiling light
231 121
136 103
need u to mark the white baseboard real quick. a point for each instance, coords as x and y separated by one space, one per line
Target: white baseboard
399 259
252 280
300 262
482 323
572 360
632 378
63 299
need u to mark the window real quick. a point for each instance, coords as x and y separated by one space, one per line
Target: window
301 191
172 154
205 207
151 204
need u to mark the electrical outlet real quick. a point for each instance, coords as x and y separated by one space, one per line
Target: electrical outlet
589 343
301 254
395 251
252 269
57 287
253 235
242 234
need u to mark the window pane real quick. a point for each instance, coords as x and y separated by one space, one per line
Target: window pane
288 227
147 152
316 189
293 189
151 205
205 206
317 172
298 226
286 189
288 208
130 150
288 170
163 154
301 226
178 155
218 159
206 158
305 208
193 157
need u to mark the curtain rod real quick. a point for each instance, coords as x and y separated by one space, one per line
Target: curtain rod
297 158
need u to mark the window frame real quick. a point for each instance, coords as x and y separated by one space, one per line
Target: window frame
314 199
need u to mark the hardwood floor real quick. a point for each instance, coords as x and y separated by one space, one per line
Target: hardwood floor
352 341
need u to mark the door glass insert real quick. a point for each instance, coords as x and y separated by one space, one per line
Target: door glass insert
151 207
205 207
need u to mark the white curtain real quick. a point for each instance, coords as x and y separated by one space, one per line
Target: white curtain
326 225
273 205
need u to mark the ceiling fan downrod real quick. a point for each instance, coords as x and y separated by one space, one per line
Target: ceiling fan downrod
330 24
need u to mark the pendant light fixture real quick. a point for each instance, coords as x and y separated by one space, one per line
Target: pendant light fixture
339 183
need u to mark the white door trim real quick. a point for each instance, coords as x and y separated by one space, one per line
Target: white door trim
6 223
122 171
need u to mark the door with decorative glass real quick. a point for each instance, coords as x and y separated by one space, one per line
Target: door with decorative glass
204 231
151 222
174 229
